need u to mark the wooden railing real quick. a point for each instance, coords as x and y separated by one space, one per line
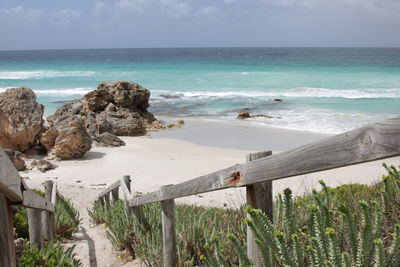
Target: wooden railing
369 143
41 210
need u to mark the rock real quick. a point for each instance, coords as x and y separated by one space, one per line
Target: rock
97 100
68 140
246 115
243 115
118 108
21 119
42 165
108 140
171 96
159 125
17 158
278 100
261 115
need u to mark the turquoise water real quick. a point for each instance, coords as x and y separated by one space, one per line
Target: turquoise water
327 90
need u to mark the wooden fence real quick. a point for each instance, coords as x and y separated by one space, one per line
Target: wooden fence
369 143
41 210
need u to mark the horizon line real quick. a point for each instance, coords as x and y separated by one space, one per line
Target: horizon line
191 47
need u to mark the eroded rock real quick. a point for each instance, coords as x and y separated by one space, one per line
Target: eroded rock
109 140
118 108
67 140
21 118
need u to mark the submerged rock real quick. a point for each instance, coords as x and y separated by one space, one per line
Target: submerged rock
21 119
243 115
246 115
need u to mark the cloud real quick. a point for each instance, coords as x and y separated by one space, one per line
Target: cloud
20 17
99 8
66 17
133 5
208 12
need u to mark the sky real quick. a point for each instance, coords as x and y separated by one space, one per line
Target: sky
49 24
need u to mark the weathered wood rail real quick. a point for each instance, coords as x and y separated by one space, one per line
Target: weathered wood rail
369 143
41 210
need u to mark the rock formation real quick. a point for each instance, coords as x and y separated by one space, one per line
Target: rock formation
67 140
246 115
119 108
21 119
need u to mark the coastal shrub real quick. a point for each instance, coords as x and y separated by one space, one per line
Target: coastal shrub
51 255
99 214
67 218
333 232
195 228
20 222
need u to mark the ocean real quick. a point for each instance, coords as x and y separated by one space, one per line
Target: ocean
325 90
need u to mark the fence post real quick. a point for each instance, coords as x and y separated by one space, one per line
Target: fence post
49 228
170 256
7 247
107 200
115 195
258 196
35 226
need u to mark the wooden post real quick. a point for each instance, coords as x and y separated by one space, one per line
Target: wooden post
115 195
258 196
107 199
35 227
7 247
127 181
170 256
49 228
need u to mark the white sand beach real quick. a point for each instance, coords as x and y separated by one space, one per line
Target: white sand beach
171 157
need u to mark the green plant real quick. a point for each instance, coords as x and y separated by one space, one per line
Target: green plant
20 222
51 255
99 214
333 231
67 218
195 228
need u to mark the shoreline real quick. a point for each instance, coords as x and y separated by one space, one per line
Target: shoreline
237 134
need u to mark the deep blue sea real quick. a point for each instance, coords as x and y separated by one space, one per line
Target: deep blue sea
328 90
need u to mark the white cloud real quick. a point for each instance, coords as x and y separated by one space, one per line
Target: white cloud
20 17
208 12
135 5
99 8
66 17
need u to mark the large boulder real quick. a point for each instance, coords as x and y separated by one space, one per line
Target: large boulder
118 108
67 140
21 119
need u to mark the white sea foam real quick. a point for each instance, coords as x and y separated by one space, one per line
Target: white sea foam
317 120
58 92
306 92
23 75
63 92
